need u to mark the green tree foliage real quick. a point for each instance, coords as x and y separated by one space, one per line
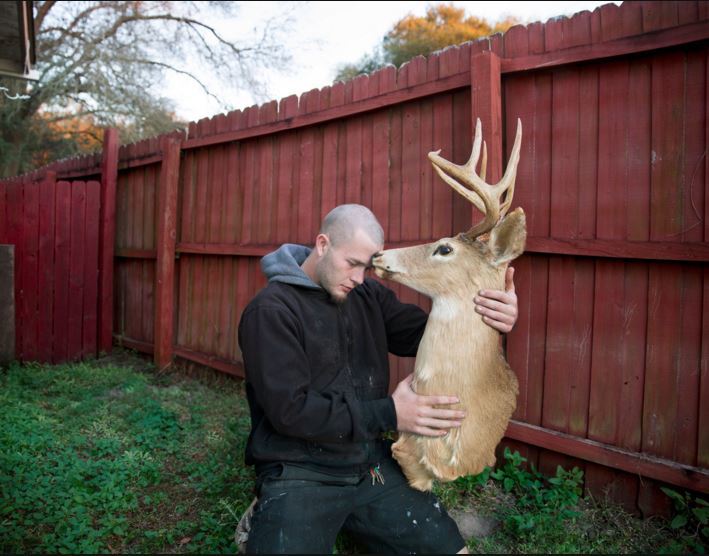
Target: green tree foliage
443 25
106 62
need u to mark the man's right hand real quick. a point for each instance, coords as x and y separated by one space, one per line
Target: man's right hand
416 414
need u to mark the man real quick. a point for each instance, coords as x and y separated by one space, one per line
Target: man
315 346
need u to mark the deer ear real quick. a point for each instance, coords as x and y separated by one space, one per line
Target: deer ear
508 237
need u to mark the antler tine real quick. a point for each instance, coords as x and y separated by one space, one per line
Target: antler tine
464 179
472 163
471 195
460 181
469 167
496 208
507 183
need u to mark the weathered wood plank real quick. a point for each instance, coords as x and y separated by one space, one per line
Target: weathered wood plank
107 237
165 263
45 278
89 325
28 317
62 252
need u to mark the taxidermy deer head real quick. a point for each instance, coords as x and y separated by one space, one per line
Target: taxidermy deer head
459 353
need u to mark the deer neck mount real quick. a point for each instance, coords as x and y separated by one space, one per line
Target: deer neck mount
460 354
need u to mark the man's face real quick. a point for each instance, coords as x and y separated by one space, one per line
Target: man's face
342 267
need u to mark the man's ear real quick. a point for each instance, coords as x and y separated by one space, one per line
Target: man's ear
508 237
322 244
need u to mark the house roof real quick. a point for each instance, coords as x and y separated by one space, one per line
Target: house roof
17 42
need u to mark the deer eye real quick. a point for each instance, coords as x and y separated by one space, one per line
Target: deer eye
443 250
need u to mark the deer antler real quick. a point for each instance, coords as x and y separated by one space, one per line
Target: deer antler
464 179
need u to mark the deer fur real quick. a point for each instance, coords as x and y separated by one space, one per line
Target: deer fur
459 354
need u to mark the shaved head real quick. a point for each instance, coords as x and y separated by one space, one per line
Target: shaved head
341 223
349 237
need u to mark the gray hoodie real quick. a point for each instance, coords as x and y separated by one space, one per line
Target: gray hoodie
283 265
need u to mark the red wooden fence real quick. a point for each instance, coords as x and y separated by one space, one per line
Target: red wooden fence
612 344
54 227
60 260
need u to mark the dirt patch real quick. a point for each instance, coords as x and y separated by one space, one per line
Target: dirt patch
121 357
472 524
179 371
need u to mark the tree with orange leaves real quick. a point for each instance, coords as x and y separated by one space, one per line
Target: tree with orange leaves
443 25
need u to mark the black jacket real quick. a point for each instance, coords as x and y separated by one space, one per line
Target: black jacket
317 372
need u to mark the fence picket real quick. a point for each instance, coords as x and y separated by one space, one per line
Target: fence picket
28 325
45 278
89 325
303 218
3 213
62 252
77 248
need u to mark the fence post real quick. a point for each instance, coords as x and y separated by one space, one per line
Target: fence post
45 278
486 103
7 304
107 238
165 247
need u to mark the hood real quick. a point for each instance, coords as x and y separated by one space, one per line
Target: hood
283 265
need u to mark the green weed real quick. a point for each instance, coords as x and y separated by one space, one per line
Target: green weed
547 515
690 523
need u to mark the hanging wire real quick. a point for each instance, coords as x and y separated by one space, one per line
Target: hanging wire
18 96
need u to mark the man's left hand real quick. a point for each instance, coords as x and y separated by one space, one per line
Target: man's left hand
499 308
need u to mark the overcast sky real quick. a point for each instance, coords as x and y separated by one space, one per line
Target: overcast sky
328 34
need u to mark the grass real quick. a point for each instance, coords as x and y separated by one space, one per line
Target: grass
115 458
110 456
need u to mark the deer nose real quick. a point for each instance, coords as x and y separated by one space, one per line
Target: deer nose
378 261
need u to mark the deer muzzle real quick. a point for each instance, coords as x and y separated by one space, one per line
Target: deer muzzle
384 264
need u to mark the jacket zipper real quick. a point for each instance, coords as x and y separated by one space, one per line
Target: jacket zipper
348 365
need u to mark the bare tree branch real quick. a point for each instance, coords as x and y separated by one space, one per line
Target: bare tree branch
42 11
106 60
181 72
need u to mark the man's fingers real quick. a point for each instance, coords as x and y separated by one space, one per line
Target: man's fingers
507 318
499 324
432 423
425 431
421 414
441 414
438 400
432 420
495 295
509 280
491 304
435 418
499 308
435 427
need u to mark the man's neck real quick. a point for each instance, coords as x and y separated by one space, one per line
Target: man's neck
308 265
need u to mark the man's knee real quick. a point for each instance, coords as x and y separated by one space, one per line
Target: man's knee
241 536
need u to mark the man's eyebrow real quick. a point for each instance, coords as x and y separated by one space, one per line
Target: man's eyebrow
358 262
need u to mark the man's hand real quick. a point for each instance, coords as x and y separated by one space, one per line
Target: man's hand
416 413
499 308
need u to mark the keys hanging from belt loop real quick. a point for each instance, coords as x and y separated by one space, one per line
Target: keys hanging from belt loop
376 475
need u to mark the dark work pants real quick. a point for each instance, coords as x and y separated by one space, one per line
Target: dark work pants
301 511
